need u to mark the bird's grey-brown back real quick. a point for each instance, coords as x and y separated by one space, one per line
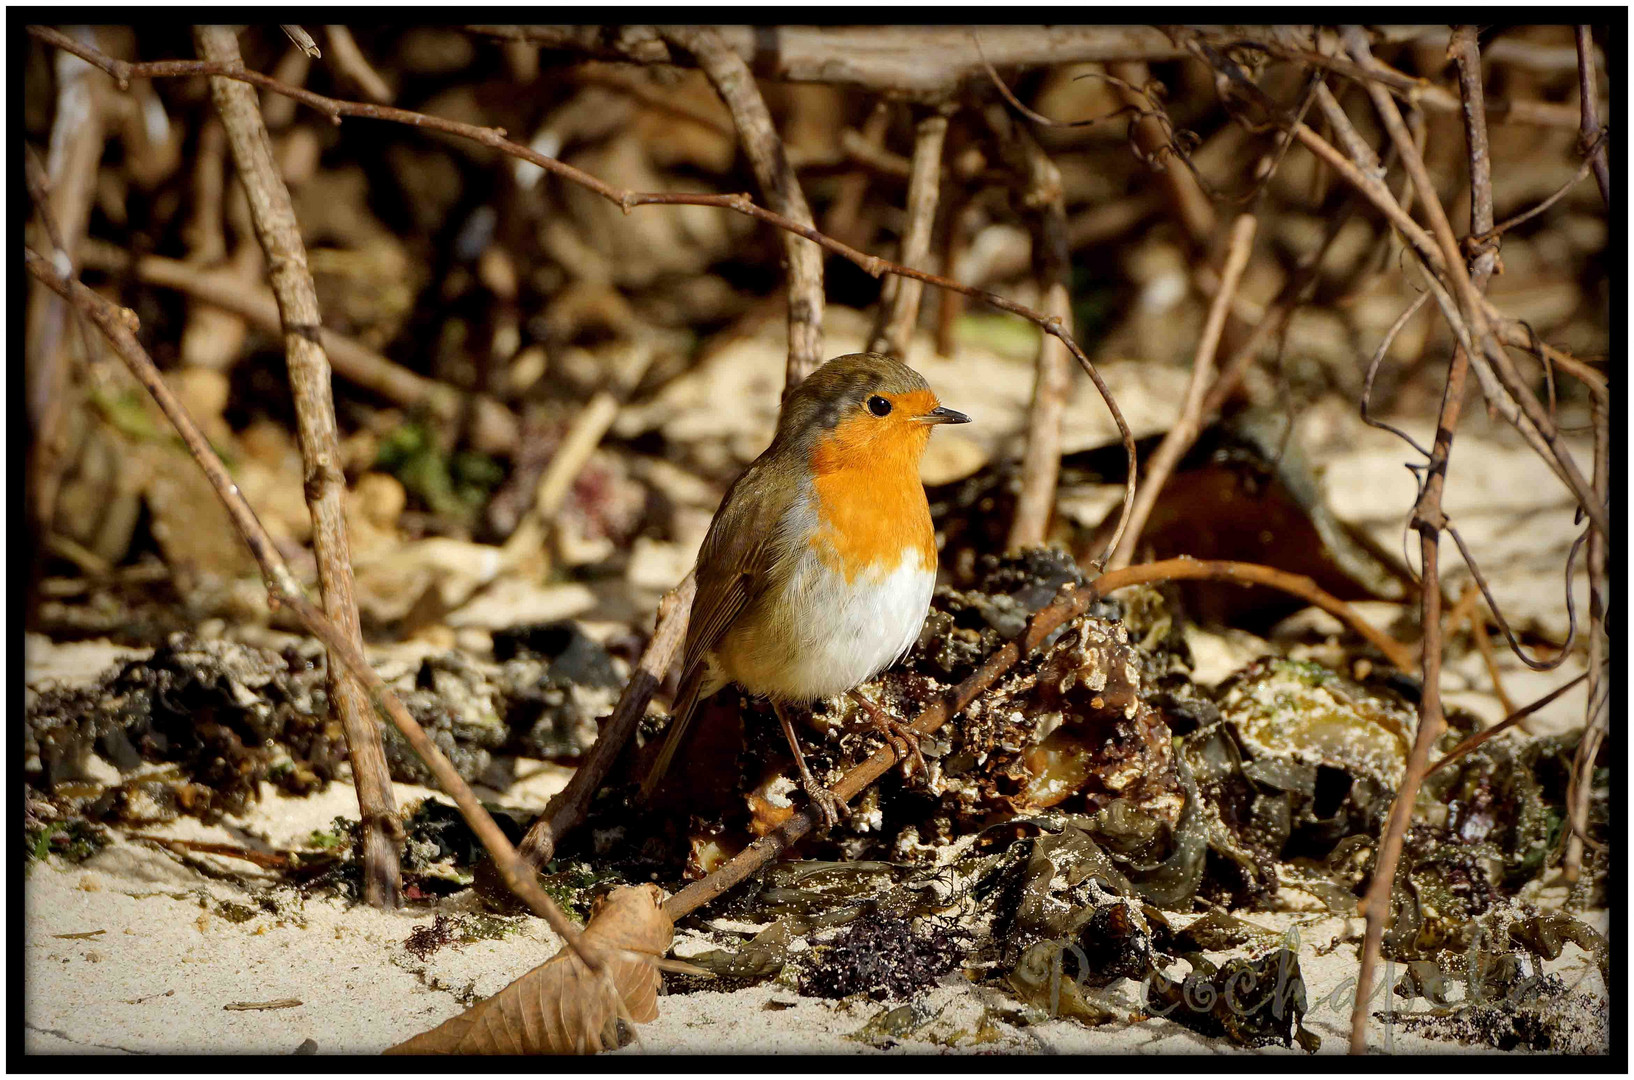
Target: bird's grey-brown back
838 388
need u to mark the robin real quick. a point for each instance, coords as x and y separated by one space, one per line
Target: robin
818 568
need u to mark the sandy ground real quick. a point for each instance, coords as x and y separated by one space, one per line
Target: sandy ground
137 951
133 951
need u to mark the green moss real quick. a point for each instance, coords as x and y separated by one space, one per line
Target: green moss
456 485
74 840
340 833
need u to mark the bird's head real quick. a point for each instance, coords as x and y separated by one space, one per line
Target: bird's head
863 410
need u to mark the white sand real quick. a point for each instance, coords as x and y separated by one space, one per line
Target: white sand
163 962
166 963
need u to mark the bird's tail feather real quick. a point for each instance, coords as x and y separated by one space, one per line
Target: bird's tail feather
686 704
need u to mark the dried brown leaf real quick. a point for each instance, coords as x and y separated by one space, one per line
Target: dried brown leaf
561 1006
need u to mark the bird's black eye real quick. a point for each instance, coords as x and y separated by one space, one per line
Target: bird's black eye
879 406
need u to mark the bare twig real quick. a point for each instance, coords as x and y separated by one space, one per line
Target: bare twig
1277 314
568 806
1427 518
1189 423
62 190
280 238
1488 355
269 860
891 60
1518 335
574 450
1470 607
1150 135
734 82
119 326
1185 568
1588 102
350 61
1373 371
1515 716
951 305
1527 215
302 40
845 220
1052 378
899 306
1598 713
879 58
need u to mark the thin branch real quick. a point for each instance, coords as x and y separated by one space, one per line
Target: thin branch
1052 378
884 59
325 487
1517 334
302 40
1588 102
1597 716
1486 350
1515 717
119 326
1527 215
899 309
1189 423
1428 518
735 84
1274 322
63 191
350 62
567 807
1373 371
1152 135
1185 568
1503 623
1469 608
890 60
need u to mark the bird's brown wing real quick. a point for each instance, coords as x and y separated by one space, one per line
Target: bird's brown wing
734 566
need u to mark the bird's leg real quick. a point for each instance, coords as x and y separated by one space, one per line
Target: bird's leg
903 739
824 803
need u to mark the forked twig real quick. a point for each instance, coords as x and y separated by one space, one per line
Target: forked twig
1189 423
1503 725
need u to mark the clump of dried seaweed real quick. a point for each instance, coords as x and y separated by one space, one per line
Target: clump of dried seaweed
217 718
882 956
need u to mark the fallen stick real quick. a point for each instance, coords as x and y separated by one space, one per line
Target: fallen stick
1185 568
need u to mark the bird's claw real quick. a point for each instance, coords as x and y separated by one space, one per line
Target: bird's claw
902 738
827 806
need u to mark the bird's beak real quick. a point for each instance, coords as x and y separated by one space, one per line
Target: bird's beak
943 415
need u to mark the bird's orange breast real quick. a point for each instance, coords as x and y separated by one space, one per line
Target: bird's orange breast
871 508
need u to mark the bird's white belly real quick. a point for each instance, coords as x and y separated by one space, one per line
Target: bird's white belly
835 633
